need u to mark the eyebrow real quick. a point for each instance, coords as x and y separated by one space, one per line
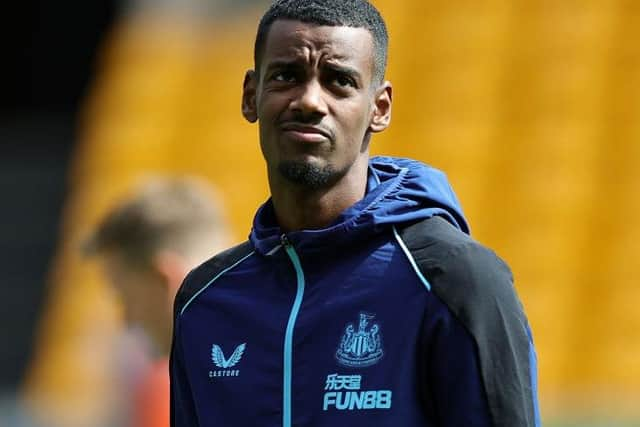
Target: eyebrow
333 66
350 71
283 63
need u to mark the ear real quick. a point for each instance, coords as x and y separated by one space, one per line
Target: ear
249 87
381 115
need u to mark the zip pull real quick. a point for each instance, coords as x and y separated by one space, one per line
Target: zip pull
285 241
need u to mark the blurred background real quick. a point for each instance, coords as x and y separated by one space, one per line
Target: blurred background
532 107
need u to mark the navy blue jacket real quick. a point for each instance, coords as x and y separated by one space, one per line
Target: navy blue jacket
392 316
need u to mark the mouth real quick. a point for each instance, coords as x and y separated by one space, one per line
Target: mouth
305 133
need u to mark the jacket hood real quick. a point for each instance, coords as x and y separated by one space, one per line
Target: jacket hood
399 191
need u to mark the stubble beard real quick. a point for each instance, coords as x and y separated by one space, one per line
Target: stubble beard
308 175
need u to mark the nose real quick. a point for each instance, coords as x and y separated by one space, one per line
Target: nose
310 99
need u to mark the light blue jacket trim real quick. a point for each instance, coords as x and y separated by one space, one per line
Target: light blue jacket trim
213 280
412 261
533 367
274 250
288 338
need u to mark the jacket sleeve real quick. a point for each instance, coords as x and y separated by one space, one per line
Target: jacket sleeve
454 393
182 407
479 292
497 358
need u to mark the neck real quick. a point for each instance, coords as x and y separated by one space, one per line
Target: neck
298 208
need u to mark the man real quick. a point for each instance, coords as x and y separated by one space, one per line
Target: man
146 245
359 299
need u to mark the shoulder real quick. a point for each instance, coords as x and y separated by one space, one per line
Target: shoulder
455 263
213 266
202 276
436 241
472 281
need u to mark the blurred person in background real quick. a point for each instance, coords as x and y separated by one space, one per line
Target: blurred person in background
146 245
359 298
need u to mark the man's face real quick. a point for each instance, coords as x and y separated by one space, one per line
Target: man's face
315 100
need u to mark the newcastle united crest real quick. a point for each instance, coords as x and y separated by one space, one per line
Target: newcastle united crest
362 347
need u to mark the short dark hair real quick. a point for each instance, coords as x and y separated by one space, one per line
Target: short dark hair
347 13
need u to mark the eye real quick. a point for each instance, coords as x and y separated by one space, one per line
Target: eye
284 76
340 79
343 80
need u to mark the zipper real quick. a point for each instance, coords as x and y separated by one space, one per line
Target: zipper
288 337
